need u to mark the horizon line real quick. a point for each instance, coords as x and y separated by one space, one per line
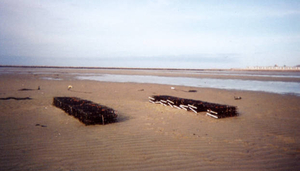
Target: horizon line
91 67
136 68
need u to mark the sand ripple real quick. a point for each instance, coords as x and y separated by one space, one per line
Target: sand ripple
265 136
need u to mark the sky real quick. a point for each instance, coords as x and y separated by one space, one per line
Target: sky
150 33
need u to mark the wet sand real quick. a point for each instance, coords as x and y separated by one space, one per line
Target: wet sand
35 135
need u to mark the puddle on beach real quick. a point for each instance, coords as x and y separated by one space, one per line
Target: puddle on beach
234 84
51 78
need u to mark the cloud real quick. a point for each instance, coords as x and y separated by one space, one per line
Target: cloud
123 29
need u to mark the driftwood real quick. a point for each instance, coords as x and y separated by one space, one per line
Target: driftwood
86 111
16 98
213 109
29 89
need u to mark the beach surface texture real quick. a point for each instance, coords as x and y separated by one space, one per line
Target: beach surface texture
36 135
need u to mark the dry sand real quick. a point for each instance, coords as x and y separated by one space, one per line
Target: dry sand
35 135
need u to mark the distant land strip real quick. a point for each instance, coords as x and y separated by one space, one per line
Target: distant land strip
121 68
297 69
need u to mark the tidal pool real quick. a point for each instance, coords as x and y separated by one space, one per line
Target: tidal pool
233 84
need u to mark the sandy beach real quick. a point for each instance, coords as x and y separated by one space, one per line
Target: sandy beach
35 135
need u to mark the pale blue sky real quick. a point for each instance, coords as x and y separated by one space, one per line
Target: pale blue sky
161 33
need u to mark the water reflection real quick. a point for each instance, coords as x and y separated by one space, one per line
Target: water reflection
235 84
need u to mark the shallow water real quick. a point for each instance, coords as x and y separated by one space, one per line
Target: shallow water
233 84
271 74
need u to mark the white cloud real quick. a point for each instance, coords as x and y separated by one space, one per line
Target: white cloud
142 28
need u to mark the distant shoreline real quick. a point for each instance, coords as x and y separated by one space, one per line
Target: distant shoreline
168 69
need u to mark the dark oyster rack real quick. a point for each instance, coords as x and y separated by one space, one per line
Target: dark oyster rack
87 112
212 109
